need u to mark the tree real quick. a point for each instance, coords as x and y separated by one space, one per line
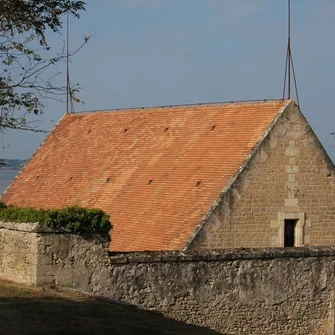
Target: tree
24 59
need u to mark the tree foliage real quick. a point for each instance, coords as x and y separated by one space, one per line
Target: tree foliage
24 71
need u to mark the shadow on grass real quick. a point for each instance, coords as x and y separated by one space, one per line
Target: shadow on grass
78 315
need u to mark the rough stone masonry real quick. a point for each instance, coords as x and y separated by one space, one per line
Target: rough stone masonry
241 291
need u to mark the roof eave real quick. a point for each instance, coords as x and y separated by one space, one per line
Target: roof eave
35 153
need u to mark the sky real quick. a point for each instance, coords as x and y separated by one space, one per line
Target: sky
162 52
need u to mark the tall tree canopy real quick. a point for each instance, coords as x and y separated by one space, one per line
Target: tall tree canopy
24 71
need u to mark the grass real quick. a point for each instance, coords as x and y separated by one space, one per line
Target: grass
25 310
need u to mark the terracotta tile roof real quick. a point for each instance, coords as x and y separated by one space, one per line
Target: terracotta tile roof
156 171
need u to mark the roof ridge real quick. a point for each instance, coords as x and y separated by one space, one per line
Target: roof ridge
181 105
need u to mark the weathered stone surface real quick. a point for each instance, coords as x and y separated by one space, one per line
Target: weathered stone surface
18 255
234 291
243 291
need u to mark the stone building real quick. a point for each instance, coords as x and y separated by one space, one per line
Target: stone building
189 177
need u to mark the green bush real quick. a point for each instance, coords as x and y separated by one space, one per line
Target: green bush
76 219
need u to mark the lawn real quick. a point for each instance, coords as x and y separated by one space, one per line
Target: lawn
25 310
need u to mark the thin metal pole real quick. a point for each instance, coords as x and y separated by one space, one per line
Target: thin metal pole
67 64
289 49
284 88
295 82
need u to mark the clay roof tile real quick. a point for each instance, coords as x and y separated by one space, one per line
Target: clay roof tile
156 171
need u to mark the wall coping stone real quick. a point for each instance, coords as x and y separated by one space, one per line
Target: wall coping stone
221 255
34 227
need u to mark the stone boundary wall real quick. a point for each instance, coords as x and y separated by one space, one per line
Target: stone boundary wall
242 291
18 252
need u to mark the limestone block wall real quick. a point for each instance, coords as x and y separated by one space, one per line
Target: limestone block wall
70 260
240 291
289 176
18 254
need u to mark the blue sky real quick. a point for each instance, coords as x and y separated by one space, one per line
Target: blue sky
161 52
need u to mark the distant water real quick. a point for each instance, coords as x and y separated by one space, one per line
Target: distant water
6 177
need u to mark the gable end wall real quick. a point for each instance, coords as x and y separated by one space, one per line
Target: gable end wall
289 176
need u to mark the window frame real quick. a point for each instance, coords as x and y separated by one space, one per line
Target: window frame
299 232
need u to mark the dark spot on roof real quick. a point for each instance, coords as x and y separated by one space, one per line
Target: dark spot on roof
150 182
70 178
213 127
198 183
166 129
107 180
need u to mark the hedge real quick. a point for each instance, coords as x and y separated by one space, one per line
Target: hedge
76 219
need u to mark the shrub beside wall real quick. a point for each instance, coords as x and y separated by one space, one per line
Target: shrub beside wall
75 219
